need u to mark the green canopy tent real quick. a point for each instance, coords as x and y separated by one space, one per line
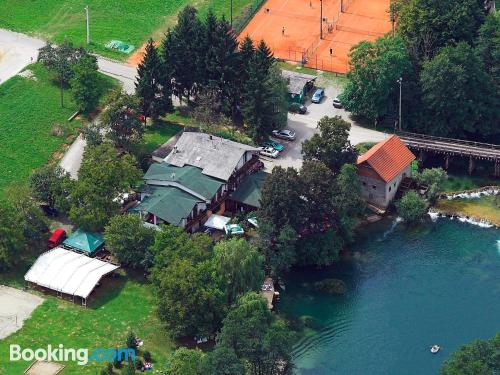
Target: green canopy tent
84 241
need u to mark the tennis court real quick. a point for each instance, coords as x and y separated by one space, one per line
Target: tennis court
291 28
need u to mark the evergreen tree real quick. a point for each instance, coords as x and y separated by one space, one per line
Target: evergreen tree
153 86
265 55
246 53
222 61
488 46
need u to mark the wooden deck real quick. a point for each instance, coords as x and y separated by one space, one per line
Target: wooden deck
267 292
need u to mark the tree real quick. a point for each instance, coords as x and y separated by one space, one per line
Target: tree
240 266
434 178
11 235
60 60
372 90
257 336
331 145
181 51
281 202
411 207
129 240
428 25
458 95
86 83
488 46
131 341
121 115
477 358
153 86
48 184
319 249
222 361
245 55
348 202
221 66
317 188
102 176
33 221
190 301
186 362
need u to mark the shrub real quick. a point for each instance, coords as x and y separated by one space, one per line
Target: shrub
147 356
411 207
131 341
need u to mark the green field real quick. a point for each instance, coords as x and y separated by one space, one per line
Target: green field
29 110
120 304
131 21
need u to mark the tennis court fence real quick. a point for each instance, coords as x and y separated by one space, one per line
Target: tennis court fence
240 22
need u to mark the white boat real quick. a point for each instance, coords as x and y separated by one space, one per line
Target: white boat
435 349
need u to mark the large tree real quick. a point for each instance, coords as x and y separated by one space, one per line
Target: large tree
257 337
11 235
240 266
103 175
185 361
281 202
480 357
428 25
86 84
60 60
331 145
488 46
372 90
222 361
459 97
122 117
48 185
153 85
129 240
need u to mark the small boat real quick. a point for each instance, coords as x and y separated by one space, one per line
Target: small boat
435 349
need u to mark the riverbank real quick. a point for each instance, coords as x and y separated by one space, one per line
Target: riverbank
480 205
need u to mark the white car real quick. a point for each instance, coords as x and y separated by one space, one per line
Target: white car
284 134
269 151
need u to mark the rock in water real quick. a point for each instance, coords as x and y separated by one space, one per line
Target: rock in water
330 286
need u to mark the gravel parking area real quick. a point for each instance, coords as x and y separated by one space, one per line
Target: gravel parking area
15 307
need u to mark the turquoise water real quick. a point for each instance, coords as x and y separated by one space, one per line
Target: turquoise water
407 290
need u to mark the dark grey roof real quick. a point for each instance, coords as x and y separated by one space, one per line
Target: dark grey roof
217 157
297 81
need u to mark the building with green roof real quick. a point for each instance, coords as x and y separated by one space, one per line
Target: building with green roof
247 195
85 242
167 204
188 178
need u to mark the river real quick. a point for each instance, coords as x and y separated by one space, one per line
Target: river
407 290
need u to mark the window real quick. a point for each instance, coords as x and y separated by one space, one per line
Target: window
364 183
390 188
374 187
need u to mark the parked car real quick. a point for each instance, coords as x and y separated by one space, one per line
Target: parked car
269 151
284 134
276 145
56 238
297 108
337 103
318 95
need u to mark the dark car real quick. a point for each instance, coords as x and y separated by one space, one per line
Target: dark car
297 108
337 103
318 95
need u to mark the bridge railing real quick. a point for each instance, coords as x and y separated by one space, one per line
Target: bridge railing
448 140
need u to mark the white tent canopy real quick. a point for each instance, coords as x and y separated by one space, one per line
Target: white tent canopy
217 222
68 272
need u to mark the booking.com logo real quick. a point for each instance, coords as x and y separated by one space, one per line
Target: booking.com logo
61 354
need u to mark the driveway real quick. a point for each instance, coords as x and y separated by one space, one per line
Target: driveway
305 127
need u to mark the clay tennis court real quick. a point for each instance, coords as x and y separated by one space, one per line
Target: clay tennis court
291 28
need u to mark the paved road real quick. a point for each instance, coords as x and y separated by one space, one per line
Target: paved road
305 127
16 51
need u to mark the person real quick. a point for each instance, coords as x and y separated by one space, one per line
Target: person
283 31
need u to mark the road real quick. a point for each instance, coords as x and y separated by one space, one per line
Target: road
305 127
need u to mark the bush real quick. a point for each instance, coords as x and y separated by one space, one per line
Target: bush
131 341
138 363
147 356
109 368
411 207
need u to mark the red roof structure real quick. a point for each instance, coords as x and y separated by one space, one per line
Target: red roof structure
387 158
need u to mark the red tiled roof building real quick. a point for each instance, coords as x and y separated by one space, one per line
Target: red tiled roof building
382 168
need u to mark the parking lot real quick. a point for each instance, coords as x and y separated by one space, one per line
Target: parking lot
304 127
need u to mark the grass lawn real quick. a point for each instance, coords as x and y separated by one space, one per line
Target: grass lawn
29 111
158 134
120 304
131 21
465 182
324 78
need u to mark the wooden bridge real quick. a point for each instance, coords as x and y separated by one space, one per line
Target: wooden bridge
449 147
